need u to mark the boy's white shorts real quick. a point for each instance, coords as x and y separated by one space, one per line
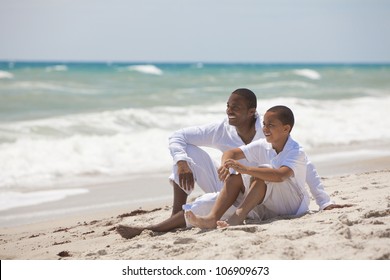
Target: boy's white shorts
281 199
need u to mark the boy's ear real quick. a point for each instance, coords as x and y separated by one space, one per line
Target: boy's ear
287 128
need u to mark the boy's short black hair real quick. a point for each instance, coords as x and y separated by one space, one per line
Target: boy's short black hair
248 95
285 115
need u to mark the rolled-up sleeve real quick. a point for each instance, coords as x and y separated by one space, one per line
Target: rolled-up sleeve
196 135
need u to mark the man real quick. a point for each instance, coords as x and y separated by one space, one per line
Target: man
192 164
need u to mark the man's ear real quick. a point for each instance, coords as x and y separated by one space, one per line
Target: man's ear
252 111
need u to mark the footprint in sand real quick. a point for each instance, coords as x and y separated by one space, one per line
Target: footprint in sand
346 221
184 241
376 214
250 229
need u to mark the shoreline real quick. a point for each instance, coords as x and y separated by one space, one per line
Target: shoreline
82 227
145 191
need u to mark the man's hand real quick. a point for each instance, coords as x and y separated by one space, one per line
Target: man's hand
186 177
333 206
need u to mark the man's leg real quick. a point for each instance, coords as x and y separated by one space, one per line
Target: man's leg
175 221
179 198
228 195
204 170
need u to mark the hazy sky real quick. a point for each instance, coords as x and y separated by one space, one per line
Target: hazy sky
196 30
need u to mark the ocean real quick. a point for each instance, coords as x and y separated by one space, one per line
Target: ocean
63 124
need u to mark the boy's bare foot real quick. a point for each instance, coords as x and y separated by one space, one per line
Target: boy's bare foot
128 232
200 222
222 224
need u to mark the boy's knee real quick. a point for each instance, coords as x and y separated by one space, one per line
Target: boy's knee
235 181
256 181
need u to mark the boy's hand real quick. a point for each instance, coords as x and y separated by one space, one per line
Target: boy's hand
223 173
186 177
230 163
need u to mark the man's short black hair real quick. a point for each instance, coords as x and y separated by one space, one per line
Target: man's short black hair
248 95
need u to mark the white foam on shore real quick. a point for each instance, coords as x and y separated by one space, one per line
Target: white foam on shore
6 75
19 219
308 73
9 200
348 156
146 69
57 68
44 152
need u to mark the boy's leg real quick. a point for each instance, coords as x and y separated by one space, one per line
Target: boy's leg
254 197
175 221
228 195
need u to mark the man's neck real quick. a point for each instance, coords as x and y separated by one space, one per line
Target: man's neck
247 133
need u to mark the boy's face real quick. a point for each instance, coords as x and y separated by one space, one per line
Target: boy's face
238 111
274 130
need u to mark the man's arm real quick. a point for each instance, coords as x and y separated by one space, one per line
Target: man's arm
196 135
178 141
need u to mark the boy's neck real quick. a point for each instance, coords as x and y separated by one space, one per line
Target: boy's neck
278 147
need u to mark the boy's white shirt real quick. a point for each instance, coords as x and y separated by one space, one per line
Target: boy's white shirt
292 156
223 136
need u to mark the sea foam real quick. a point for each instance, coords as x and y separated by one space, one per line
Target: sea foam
6 75
58 68
146 69
122 142
308 73
9 200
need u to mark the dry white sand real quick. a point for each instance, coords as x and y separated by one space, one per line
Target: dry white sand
358 232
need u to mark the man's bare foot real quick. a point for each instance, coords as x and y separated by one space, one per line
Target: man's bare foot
128 232
200 222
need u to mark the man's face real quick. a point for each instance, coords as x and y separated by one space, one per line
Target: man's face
238 111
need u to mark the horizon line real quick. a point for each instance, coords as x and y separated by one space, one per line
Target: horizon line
59 61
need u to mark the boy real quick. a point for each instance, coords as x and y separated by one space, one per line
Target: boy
269 191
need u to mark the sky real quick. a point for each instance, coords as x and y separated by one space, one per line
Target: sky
250 31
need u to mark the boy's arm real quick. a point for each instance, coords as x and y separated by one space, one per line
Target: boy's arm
263 173
233 154
317 190
316 187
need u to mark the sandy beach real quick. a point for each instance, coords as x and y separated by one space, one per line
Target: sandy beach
360 232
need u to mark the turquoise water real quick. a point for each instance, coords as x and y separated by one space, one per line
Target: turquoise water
63 122
39 90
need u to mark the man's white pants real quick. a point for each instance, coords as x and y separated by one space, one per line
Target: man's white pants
204 168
